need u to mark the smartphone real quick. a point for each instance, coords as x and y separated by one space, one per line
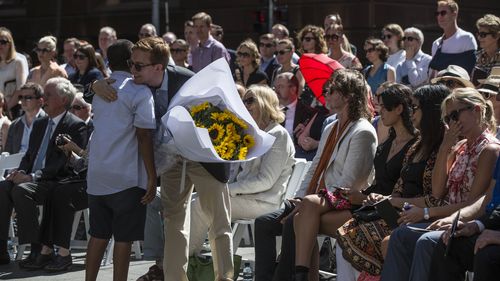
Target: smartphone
452 233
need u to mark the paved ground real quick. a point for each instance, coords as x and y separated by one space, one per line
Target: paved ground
77 271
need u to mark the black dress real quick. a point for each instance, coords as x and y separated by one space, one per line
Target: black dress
254 78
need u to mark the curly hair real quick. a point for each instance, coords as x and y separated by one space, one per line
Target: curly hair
470 96
319 38
397 94
492 23
352 85
267 102
379 46
254 51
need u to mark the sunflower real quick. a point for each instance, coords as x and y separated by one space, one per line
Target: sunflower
242 154
216 132
249 141
198 108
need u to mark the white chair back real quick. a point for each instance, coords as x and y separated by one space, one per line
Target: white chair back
8 162
298 173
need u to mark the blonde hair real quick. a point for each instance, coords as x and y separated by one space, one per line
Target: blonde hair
50 40
254 51
12 51
450 4
472 97
267 102
287 43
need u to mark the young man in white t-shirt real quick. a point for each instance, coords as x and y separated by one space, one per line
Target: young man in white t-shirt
454 39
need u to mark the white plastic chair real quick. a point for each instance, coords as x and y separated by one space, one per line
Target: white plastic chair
8 162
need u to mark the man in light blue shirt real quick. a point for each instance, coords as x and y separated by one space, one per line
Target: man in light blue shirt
413 72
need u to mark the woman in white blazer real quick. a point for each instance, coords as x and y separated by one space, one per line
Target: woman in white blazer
347 164
257 186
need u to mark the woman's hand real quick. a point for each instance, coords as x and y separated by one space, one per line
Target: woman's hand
308 143
373 198
451 134
412 215
355 196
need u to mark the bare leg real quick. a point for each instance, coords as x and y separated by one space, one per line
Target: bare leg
121 260
306 225
95 252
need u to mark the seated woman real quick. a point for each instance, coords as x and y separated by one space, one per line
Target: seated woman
344 159
59 210
86 64
284 54
258 185
461 174
488 37
248 60
379 71
48 68
364 252
334 39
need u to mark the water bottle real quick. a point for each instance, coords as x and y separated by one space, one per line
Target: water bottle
247 272
406 206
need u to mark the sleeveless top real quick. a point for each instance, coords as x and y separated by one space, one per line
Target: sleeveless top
463 169
378 78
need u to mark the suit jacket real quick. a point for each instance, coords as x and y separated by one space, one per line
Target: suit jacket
16 132
55 159
177 76
492 220
351 162
270 69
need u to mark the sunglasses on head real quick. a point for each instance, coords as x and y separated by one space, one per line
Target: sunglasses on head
484 34
137 66
177 50
441 13
386 36
282 52
77 107
26 98
42 50
243 54
4 42
409 38
332 37
249 101
455 114
79 56
267 45
307 39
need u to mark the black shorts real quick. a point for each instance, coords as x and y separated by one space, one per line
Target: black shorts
121 215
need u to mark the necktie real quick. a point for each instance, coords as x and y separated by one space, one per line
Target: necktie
43 147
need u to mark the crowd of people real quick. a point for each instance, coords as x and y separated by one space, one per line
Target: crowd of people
417 130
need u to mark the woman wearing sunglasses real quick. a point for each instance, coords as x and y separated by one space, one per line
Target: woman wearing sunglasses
48 68
392 36
461 176
334 38
488 36
248 60
413 71
13 68
312 40
379 71
86 65
284 54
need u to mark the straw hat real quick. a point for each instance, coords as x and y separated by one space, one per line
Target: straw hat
491 84
454 72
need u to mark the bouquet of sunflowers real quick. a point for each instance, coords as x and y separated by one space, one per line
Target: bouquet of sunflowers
226 131
207 122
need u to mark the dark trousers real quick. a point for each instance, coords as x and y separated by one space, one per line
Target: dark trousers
59 210
267 228
24 198
485 263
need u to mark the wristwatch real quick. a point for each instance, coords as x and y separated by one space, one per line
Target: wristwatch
36 176
426 214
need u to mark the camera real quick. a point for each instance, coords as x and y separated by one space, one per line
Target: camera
61 139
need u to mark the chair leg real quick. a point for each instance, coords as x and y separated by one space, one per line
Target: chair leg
108 258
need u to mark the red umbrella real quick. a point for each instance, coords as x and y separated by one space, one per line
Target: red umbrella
317 69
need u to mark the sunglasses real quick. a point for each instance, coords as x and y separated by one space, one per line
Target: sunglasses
42 50
79 56
414 107
77 107
177 50
386 36
332 37
450 83
484 34
26 98
4 42
282 52
248 101
137 66
370 50
455 114
441 13
409 38
243 54
267 45
307 39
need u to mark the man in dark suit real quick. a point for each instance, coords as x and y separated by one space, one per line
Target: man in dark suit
476 244
19 131
267 48
210 179
43 162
